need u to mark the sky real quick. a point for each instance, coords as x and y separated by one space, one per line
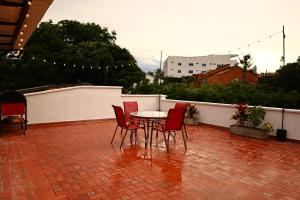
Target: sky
193 27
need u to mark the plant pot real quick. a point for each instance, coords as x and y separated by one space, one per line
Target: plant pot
249 132
191 121
281 135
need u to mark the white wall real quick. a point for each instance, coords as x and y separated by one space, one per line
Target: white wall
220 114
94 102
81 103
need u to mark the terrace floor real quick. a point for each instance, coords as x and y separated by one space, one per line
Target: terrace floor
77 161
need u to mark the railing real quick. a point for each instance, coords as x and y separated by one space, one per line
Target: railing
94 102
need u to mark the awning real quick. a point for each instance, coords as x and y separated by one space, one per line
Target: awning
18 20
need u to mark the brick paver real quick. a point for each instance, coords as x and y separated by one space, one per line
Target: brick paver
77 161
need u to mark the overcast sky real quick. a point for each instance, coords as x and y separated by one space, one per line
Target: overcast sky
193 27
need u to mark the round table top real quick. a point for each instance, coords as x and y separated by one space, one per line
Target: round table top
150 114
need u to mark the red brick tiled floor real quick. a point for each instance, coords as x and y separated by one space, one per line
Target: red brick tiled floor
76 161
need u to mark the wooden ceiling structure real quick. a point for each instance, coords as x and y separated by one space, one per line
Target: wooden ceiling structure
18 20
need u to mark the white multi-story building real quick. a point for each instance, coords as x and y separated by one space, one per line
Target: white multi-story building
179 66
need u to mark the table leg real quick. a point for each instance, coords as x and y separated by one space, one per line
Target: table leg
147 133
152 124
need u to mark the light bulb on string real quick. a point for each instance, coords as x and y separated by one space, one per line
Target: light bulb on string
44 60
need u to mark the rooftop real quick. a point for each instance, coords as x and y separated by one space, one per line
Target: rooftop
75 160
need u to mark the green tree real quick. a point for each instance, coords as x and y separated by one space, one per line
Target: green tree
245 63
288 77
71 52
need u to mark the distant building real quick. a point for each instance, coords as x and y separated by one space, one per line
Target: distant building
178 66
225 75
150 78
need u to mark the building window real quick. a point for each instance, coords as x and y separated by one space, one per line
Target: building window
179 64
191 64
172 69
197 63
172 61
203 65
219 65
203 71
210 63
179 71
190 71
214 63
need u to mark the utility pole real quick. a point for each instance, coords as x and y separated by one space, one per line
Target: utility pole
283 39
159 81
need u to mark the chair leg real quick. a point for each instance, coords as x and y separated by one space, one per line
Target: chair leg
151 137
135 135
183 137
146 138
131 136
123 138
167 144
114 135
187 137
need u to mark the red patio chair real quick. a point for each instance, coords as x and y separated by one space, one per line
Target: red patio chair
174 122
18 110
121 122
184 106
129 107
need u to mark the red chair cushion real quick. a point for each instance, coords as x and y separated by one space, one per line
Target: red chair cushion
13 109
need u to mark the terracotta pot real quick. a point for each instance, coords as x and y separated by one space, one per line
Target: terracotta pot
249 132
191 121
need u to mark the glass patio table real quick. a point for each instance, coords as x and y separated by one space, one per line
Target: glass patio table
149 117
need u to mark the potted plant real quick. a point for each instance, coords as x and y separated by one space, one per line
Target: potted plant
191 115
249 122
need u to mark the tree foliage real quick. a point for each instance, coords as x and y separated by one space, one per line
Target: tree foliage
278 90
71 52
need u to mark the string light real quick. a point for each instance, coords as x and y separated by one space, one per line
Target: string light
85 67
253 43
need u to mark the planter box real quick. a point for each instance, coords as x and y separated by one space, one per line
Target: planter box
249 132
191 121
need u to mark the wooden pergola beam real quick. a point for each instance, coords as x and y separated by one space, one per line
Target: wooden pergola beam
8 23
6 35
21 20
12 4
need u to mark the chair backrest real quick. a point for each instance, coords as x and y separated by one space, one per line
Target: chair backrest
119 116
130 106
12 109
181 105
175 119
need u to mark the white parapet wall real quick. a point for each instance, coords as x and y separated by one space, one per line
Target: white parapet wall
94 102
220 115
81 103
